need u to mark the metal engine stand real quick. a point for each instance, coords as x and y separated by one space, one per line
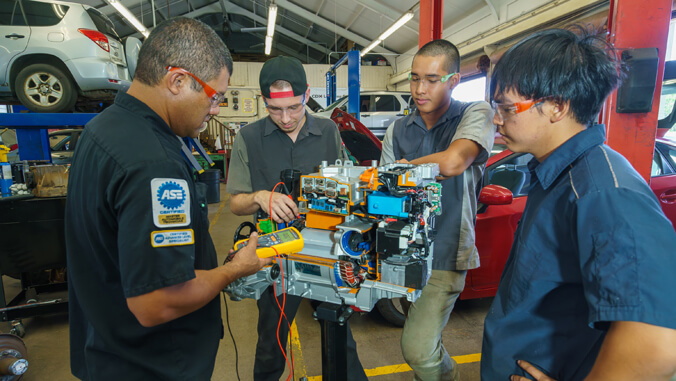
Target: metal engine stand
333 320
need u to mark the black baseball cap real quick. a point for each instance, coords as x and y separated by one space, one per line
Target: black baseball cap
285 68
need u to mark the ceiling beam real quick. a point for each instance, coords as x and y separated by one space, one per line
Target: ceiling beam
329 25
389 13
301 57
321 5
109 10
235 9
280 47
493 10
354 17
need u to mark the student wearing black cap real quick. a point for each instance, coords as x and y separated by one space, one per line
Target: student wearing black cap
289 138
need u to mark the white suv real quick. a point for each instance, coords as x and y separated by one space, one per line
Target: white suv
53 53
378 109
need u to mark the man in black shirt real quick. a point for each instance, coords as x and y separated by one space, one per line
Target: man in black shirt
142 269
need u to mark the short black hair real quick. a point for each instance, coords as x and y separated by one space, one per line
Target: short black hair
444 48
186 43
574 65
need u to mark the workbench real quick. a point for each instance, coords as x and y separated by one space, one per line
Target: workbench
33 241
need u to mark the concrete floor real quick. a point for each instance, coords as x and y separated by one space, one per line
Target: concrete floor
378 342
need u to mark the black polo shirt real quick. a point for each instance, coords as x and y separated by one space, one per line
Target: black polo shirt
135 222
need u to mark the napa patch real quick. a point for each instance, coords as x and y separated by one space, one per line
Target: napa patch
171 202
172 238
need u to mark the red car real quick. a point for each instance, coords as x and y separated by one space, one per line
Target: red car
501 204
499 210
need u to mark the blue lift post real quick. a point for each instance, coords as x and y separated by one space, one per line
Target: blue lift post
353 81
33 139
31 131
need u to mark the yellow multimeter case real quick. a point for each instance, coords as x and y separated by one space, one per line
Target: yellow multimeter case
284 241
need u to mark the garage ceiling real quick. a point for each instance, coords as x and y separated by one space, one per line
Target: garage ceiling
314 31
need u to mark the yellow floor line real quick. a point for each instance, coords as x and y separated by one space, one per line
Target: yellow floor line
384 370
299 363
212 223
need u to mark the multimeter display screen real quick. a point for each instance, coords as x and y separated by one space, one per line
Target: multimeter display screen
285 235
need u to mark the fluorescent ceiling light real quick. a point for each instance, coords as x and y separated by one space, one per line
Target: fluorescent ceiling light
397 24
268 45
368 48
121 9
272 18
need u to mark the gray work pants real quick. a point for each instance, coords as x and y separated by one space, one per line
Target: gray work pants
421 340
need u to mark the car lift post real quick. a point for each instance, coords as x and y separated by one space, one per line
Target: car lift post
431 21
353 81
31 131
637 24
333 320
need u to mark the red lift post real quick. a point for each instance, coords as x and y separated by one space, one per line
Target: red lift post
637 24
431 21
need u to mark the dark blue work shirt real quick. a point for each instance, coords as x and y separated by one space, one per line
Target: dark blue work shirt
592 247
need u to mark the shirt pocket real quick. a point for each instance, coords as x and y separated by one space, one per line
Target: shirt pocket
526 265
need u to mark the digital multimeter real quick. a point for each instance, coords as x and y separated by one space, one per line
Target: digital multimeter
285 241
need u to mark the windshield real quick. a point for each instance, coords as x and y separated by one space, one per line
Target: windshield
335 104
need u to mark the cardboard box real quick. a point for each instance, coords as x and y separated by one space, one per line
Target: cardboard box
50 180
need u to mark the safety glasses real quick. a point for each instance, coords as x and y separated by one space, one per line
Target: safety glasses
291 109
215 97
430 80
505 110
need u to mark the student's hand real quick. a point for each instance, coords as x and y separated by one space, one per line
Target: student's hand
533 371
402 161
283 207
246 262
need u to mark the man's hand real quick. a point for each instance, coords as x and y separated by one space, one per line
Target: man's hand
533 371
402 161
281 207
246 262
171 302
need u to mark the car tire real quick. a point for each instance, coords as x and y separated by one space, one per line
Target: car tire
45 88
394 310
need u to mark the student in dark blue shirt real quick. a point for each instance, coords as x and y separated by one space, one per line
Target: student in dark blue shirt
588 289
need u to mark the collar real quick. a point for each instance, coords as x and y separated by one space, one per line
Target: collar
564 156
310 127
138 108
454 110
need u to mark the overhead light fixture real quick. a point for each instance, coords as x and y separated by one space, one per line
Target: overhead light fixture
268 45
397 24
272 18
121 9
371 46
